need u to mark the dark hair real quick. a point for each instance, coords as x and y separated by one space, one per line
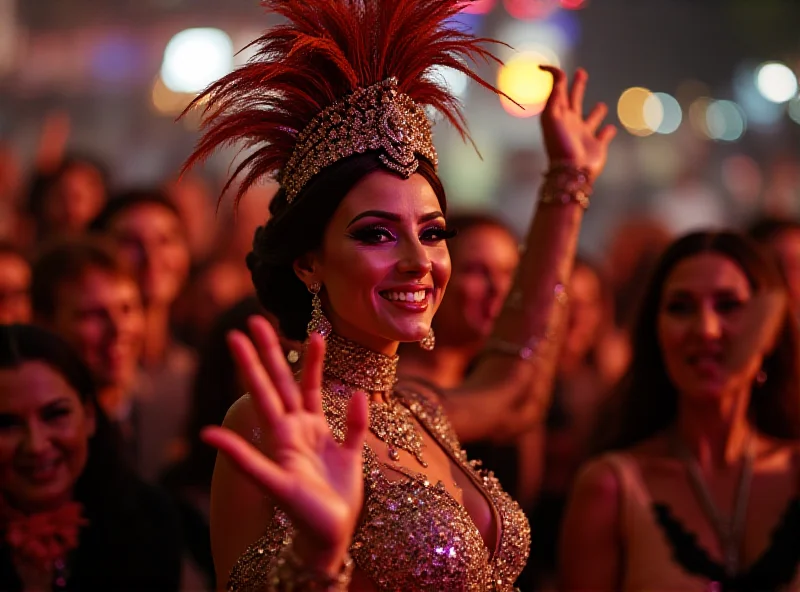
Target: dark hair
8 249
106 469
766 229
646 400
122 202
214 390
297 228
132 540
67 261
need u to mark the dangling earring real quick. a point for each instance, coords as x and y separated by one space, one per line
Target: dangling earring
761 378
429 341
318 323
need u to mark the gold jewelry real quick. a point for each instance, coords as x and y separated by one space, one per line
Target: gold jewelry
349 367
429 341
290 575
319 323
566 184
378 117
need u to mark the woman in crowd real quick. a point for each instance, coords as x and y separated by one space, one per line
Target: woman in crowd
72 514
151 240
355 250
701 491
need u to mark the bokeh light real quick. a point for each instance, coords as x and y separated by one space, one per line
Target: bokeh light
547 38
776 82
725 121
793 110
531 9
760 111
653 112
166 101
631 111
522 80
697 116
573 4
454 80
479 6
195 58
671 114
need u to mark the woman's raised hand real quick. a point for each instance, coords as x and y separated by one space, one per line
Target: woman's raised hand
308 474
568 136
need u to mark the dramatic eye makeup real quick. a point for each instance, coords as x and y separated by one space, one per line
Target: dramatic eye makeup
382 232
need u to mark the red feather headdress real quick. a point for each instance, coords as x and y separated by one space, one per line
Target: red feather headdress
339 77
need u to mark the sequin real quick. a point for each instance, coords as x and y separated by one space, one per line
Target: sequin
413 535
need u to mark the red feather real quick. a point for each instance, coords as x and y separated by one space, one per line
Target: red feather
324 51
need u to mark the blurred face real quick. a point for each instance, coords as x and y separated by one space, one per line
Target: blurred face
220 287
384 262
585 312
787 247
44 434
75 200
484 261
192 198
701 316
101 316
15 281
152 238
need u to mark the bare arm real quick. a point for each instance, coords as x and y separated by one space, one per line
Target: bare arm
240 512
506 394
298 465
591 547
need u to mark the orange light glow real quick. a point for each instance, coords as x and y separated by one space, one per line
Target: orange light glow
522 80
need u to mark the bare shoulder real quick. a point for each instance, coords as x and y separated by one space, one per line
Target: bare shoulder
598 481
590 544
243 418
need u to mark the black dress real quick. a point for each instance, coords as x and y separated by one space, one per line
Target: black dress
131 544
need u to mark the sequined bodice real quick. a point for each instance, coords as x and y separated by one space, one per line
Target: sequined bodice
413 534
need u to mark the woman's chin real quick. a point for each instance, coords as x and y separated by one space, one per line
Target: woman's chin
408 335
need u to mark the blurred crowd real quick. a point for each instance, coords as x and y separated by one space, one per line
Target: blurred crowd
141 287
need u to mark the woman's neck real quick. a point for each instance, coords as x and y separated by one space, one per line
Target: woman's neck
369 341
157 335
716 432
446 366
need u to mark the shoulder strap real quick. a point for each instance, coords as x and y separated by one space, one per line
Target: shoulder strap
633 493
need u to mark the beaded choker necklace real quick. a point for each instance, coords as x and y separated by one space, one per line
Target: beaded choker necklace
359 367
350 367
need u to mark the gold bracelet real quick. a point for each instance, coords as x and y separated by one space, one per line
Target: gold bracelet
566 184
290 575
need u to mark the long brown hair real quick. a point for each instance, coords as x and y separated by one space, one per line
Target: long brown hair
646 401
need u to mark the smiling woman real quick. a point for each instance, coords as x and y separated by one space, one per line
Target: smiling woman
701 488
334 107
72 515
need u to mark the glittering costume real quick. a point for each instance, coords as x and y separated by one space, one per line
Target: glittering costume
413 534
340 78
